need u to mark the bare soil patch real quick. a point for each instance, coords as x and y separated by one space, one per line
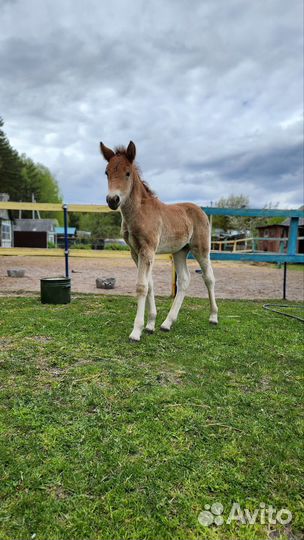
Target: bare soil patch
233 280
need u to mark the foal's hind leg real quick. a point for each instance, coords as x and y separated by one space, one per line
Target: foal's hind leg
150 326
183 281
204 261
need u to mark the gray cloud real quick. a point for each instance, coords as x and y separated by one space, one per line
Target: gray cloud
211 95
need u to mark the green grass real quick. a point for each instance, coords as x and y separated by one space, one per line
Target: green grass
102 439
116 246
295 267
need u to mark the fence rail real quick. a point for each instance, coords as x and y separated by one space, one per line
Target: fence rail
54 207
84 253
247 240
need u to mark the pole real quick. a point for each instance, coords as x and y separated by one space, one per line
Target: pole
284 280
66 240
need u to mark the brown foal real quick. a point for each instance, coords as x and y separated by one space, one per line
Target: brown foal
150 226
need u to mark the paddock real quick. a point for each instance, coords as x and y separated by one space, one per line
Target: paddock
234 280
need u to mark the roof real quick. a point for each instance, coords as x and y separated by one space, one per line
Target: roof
287 222
40 225
4 214
301 220
272 225
60 230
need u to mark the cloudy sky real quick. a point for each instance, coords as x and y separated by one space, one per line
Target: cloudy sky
209 90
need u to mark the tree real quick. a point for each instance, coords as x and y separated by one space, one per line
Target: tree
232 222
11 180
101 225
21 178
242 223
40 182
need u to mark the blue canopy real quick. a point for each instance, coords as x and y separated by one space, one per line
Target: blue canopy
60 230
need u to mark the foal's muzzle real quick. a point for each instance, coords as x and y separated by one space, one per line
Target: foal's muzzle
113 202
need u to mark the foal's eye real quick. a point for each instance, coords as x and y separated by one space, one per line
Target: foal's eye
128 174
106 173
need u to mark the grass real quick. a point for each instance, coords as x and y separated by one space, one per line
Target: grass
102 439
292 267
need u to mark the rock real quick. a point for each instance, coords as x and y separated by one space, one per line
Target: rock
105 283
16 272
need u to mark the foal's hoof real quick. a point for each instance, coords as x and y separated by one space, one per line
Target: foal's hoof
132 340
165 329
149 331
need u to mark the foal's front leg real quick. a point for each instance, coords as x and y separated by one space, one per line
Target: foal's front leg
144 269
152 312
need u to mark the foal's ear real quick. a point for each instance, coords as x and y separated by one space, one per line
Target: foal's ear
106 152
131 151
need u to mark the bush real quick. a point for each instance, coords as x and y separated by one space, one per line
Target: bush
117 247
81 246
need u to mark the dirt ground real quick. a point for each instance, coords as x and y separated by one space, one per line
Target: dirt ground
233 280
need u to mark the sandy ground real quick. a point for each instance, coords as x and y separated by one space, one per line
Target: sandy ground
233 280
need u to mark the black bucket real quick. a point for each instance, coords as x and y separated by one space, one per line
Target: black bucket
55 290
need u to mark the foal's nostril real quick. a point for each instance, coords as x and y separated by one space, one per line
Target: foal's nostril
116 199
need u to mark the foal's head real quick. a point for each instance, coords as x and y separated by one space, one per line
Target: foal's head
120 170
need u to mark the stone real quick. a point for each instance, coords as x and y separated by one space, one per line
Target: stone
105 283
16 272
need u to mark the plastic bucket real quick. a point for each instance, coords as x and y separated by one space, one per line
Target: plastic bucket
55 290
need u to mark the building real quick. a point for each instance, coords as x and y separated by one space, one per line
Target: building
278 234
60 236
6 224
35 233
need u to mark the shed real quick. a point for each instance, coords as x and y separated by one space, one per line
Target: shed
277 232
60 235
34 232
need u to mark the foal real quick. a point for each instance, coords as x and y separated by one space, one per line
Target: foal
150 226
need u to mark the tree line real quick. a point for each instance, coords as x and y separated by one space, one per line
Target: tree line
22 178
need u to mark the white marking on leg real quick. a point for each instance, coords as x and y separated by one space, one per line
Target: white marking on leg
150 326
183 282
144 269
209 280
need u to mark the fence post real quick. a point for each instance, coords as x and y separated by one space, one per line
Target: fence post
284 280
66 239
293 236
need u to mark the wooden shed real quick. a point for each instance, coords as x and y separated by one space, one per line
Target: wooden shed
278 232
37 233
275 231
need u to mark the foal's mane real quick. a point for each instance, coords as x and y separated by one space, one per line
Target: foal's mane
122 151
